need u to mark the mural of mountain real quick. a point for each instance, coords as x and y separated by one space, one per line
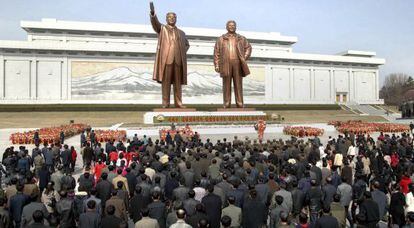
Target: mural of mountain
125 80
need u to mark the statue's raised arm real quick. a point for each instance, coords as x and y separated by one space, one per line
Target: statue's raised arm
156 25
152 10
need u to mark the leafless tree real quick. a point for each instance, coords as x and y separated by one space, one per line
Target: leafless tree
394 88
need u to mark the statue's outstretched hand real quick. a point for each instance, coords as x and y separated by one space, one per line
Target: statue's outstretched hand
152 10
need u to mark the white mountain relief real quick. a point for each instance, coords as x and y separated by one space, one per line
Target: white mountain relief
125 80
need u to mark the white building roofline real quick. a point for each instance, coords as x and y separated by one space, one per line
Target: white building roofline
54 24
358 53
148 49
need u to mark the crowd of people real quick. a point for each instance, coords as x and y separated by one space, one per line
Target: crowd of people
350 181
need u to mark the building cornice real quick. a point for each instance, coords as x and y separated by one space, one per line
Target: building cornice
150 49
91 27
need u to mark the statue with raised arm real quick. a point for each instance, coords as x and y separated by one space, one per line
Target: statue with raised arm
171 58
230 55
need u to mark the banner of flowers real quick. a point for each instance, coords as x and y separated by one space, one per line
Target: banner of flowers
49 134
367 127
302 131
207 119
106 135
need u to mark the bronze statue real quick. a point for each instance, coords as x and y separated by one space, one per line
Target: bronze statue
230 55
171 58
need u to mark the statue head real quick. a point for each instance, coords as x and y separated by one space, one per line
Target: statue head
171 18
231 26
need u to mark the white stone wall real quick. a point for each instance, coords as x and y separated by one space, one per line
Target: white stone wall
309 84
29 78
33 78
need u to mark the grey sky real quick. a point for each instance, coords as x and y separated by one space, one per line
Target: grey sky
322 26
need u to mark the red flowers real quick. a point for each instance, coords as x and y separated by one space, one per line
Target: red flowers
302 131
49 134
186 132
106 135
367 127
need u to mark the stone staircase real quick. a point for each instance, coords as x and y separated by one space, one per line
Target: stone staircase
373 110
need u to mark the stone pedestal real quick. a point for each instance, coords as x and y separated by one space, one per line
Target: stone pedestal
194 117
174 110
236 109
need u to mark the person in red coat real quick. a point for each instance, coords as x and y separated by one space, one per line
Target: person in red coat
113 156
260 127
74 156
404 183
98 169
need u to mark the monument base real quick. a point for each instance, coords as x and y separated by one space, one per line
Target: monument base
174 110
194 117
236 109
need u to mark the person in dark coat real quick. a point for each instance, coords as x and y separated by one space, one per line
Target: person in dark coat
314 200
104 189
88 155
131 179
91 218
380 198
65 209
254 211
298 199
5 220
346 172
157 210
38 218
110 220
189 176
36 138
190 203
197 216
86 181
397 207
369 208
62 137
44 178
66 157
82 139
17 202
329 191
68 182
212 203
263 190
92 137
181 193
170 185
23 164
326 220
136 203
168 138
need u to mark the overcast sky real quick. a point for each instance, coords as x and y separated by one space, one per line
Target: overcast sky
322 26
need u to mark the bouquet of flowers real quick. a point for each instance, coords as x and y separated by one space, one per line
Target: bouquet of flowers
49 134
106 135
368 127
186 132
302 131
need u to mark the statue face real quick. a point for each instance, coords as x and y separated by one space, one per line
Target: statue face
231 27
171 19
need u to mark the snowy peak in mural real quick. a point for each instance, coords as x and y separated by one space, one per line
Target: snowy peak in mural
126 81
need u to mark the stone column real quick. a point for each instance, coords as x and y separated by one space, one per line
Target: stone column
2 77
269 83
